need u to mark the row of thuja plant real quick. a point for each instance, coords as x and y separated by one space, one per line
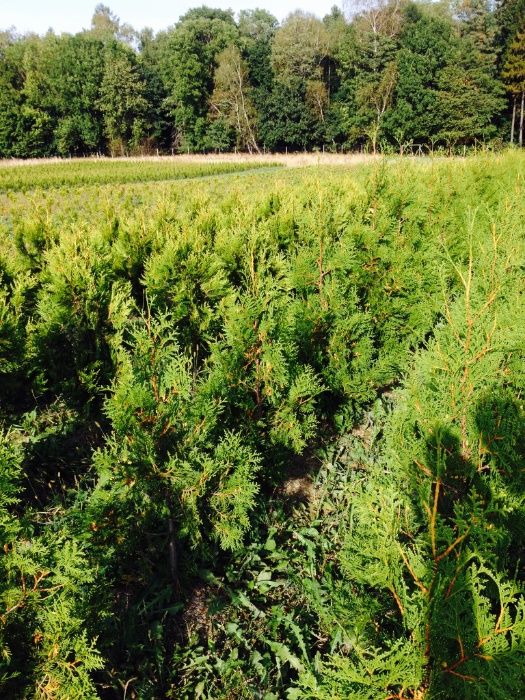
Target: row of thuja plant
162 380
76 173
398 571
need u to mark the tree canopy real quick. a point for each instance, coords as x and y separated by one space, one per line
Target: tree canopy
386 75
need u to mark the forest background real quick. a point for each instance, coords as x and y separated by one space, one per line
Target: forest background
389 76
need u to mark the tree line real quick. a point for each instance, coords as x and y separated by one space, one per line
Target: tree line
391 74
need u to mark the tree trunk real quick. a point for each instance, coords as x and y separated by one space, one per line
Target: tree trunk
513 120
521 118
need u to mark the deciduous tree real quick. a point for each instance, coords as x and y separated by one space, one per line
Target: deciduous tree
231 98
514 77
122 102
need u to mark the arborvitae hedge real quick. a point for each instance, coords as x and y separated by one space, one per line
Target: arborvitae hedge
265 440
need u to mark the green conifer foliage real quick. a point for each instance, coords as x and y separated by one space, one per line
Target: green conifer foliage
168 444
265 435
437 524
42 586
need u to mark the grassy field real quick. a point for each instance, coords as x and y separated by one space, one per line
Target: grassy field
262 429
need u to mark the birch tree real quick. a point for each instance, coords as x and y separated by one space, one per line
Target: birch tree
231 97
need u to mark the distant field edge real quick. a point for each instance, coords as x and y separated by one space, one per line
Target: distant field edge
242 159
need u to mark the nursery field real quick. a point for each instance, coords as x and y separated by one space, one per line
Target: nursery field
262 432
50 174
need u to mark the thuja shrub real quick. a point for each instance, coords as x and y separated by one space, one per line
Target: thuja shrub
437 525
170 357
45 648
